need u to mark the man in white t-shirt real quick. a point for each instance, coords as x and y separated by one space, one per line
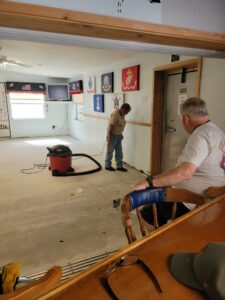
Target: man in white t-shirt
200 165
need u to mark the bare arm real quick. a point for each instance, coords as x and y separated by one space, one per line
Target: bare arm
174 176
109 130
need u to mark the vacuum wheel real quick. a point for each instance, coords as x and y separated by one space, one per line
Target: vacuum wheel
55 173
70 170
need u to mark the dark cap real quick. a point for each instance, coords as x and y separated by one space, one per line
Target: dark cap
204 271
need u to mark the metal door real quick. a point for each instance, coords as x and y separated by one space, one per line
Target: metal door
180 85
4 117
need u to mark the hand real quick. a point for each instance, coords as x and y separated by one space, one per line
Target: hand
141 185
109 142
109 139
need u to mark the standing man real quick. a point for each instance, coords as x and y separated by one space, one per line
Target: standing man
114 138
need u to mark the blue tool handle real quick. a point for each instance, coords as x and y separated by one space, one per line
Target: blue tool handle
147 196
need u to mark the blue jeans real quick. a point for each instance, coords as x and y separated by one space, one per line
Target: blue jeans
116 144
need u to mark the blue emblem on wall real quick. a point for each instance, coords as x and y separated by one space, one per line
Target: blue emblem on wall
99 103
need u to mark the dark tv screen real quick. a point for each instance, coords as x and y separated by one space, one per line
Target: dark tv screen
58 92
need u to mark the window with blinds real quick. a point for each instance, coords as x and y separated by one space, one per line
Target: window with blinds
27 105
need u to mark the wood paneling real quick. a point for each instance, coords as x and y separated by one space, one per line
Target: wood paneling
157 117
190 63
96 117
191 232
128 122
42 18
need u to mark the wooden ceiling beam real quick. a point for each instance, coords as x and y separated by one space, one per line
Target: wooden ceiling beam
48 19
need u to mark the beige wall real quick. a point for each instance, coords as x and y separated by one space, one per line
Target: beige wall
213 89
137 139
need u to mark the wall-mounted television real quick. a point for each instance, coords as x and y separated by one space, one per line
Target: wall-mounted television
58 92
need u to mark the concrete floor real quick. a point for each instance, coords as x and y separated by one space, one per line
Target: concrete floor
48 220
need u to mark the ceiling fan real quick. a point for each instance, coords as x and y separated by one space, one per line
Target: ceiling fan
4 61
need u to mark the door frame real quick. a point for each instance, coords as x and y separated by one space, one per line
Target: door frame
158 105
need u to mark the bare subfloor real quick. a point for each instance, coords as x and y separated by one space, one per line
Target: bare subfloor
48 220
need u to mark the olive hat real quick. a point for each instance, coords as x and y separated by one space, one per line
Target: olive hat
204 271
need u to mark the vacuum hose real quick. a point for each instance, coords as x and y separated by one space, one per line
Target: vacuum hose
91 158
84 172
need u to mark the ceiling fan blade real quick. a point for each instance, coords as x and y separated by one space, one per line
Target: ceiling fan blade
16 63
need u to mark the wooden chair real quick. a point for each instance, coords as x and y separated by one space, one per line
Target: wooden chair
173 195
34 289
213 192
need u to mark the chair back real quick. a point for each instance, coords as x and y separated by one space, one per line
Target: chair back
173 195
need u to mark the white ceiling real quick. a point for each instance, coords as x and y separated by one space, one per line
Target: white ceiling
57 60
61 55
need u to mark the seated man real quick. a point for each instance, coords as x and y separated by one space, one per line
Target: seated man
199 166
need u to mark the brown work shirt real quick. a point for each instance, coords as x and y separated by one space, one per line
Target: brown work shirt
118 122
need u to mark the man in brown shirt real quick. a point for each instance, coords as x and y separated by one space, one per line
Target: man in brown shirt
114 138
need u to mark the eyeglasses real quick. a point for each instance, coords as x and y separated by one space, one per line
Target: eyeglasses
127 260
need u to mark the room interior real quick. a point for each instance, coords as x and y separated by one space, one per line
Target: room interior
97 197
65 220
56 220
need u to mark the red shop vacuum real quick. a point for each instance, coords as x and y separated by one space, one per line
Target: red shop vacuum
61 161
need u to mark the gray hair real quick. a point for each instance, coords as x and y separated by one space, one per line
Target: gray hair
194 107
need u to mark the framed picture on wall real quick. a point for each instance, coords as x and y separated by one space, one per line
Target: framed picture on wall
99 103
117 100
107 82
91 84
130 78
76 87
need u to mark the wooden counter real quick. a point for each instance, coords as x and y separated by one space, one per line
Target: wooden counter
190 232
